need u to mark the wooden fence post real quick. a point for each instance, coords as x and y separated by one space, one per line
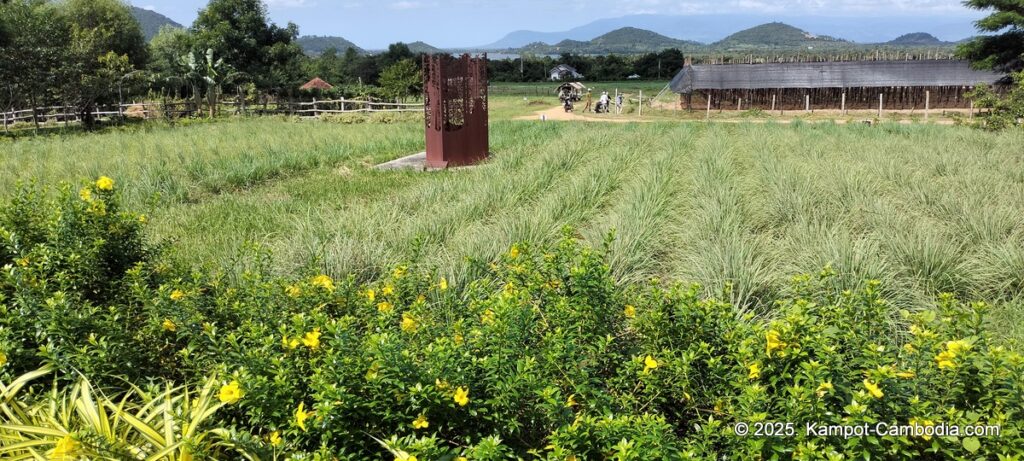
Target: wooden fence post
971 117
773 103
927 103
842 110
314 108
640 111
739 104
807 103
879 105
5 123
708 115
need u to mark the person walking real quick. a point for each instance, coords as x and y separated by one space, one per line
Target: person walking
589 101
618 104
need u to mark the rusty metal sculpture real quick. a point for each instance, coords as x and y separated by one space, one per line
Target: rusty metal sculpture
455 106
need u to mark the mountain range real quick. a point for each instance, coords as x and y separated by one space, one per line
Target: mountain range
702 35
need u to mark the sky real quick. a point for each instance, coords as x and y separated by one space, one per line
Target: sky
463 23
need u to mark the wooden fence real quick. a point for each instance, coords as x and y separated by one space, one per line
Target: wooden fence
150 110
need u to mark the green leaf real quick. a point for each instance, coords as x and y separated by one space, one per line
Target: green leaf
971 444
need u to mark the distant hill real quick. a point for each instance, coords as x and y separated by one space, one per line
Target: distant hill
315 45
774 35
710 28
916 39
626 40
151 21
421 47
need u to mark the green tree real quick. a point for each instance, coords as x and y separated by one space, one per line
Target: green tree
1003 48
238 31
106 46
401 80
32 43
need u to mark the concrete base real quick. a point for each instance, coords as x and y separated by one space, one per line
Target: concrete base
416 162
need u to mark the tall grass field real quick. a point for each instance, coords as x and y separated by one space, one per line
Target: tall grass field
591 291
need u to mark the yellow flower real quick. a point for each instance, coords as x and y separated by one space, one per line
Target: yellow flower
409 323
909 348
65 449
945 360
403 456
289 343
231 393
323 281
3 359
442 284
421 422
956 347
772 342
293 291
312 339
385 307
873 389
387 290
85 194
459 339
514 252
924 423
487 318
105 183
905 374
629 311
143 219
461 396
275 438
177 295
168 325
571 401
755 371
823 389
461 458
371 295
649 364
23 262
301 415
399 272
421 298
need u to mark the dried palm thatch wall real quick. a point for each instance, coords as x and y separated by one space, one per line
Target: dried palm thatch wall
826 85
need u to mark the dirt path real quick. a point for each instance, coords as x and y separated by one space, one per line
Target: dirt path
559 114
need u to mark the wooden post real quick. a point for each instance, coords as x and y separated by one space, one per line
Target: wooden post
842 110
879 105
971 117
640 110
773 103
5 123
708 97
807 102
314 107
739 104
927 103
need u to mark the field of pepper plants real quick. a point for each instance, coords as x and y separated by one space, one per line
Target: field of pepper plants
254 289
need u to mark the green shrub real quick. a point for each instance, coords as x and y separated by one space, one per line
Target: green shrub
543 356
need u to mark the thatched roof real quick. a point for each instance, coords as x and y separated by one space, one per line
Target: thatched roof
855 74
316 84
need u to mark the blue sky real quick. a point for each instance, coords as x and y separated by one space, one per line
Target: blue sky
452 23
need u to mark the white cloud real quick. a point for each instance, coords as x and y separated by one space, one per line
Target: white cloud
409 5
148 7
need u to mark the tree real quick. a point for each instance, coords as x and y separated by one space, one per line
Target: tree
1004 49
32 43
106 45
401 80
239 32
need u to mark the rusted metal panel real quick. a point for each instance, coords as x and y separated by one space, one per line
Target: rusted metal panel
455 109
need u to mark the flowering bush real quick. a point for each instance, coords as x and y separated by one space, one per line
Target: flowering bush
545 356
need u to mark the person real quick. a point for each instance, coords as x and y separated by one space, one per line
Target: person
603 102
589 99
618 104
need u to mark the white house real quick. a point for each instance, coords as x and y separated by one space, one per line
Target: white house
565 72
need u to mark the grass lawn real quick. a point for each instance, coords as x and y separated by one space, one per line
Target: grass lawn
923 208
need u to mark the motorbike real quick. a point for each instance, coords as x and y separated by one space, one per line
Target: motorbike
567 104
600 107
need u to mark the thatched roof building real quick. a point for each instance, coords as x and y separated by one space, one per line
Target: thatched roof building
316 84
